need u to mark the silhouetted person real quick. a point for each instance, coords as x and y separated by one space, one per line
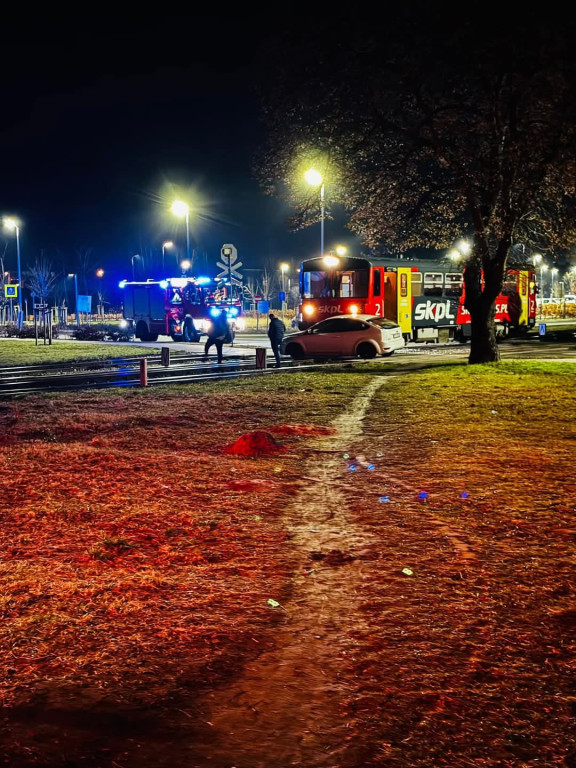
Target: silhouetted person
276 331
217 334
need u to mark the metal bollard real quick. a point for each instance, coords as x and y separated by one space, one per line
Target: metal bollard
144 372
260 357
165 353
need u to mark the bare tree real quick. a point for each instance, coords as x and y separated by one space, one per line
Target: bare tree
40 279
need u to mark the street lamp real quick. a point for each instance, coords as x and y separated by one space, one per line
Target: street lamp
536 259
136 256
167 244
283 270
553 272
543 268
75 276
185 265
183 210
13 225
314 178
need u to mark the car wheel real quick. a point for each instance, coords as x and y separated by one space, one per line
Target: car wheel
295 351
366 351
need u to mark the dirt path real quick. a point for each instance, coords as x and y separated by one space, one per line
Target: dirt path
285 709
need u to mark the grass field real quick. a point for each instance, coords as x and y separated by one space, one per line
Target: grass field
26 352
140 559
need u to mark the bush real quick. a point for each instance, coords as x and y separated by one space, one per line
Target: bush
101 333
12 331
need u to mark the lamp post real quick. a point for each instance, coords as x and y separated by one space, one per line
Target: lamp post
167 244
136 256
543 268
75 276
183 210
13 225
314 178
553 272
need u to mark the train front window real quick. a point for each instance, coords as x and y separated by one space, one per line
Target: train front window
316 285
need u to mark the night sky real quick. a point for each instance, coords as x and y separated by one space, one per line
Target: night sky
106 121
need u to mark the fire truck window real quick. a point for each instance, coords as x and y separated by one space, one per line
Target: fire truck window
377 283
191 294
433 283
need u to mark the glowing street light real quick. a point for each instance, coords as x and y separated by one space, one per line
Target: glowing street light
167 244
100 272
185 265
12 224
463 247
182 210
536 259
314 178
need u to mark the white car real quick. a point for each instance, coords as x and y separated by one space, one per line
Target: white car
363 336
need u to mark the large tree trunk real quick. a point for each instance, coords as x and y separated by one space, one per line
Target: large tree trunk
483 346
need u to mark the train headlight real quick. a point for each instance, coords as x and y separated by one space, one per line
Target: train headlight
308 309
123 323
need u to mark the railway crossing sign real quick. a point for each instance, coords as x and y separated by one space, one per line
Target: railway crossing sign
230 264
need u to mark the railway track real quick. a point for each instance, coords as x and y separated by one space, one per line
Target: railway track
18 381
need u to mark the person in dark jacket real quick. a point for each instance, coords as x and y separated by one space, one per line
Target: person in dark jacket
276 331
217 334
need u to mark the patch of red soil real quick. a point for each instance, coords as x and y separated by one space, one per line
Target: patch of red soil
302 429
255 444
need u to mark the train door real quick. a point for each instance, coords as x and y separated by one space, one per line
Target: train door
404 317
391 296
376 305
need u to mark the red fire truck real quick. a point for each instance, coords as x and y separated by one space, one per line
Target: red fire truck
180 307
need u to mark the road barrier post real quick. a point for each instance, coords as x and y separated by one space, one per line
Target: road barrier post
144 372
166 357
260 357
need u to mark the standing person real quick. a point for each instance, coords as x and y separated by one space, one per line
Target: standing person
218 333
276 331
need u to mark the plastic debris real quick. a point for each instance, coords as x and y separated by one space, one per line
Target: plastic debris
371 467
422 495
464 495
273 603
345 455
405 571
384 499
353 467
277 469
493 412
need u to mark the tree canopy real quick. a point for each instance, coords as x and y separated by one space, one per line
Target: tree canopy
429 126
